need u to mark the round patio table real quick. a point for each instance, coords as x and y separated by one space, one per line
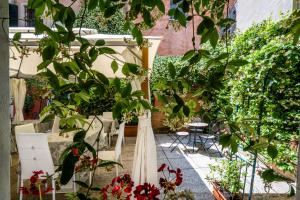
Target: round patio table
195 128
59 142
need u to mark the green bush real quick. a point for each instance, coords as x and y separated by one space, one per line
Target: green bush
94 19
275 63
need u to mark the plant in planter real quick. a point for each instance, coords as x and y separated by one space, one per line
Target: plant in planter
225 178
131 126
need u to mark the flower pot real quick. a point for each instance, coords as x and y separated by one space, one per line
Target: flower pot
131 130
221 194
217 192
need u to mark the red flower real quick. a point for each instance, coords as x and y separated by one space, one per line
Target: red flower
128 189
116 189
75 151
178 177
33 179
171 171
38 172
24 190
162 167
146 192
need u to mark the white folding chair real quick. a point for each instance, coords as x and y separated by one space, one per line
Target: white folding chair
114 155
34 155
26 128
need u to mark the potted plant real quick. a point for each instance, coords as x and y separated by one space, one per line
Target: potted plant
131 127
225 178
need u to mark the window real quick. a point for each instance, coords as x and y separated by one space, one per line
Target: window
29 17
13 15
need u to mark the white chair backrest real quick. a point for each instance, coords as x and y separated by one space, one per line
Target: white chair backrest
26 128
55 126
108 115
118 148
34 154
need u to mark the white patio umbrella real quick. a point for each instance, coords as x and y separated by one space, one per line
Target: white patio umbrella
18 92
145 157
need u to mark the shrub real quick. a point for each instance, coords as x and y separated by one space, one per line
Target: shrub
94 19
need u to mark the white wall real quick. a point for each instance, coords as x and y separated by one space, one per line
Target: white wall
254 11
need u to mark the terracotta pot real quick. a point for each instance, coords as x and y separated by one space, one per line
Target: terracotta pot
217 192
131 130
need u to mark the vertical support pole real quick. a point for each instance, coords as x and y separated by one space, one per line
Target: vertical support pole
145 64
4 103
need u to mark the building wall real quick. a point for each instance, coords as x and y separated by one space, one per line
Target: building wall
250 12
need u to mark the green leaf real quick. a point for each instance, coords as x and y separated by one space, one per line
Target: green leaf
188 55
126 91
100 42
228 110
186 110
79 136
225 140
178 15
106 50
110 11
43 65
160 5
137 34
81 184
114 66
92 4
91 149
272 151
107 163
172 70
177 108
48 52
238 62
17 36
68 167
145 104
214 37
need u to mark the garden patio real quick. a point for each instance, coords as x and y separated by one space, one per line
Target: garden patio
93 116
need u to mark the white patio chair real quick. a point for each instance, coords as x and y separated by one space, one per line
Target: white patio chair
114 155
34 155
55 126
26 128
108 115
114 127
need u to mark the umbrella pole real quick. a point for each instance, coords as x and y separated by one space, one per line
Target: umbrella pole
145 64
4 103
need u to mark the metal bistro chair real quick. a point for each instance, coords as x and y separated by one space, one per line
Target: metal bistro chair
212 136
179 137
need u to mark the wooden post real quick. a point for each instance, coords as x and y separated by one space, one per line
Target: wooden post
4 103
145 64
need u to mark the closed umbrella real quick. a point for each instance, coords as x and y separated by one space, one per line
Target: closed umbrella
19 93
145 157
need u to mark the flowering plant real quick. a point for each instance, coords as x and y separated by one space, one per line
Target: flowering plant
121 187
38 185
